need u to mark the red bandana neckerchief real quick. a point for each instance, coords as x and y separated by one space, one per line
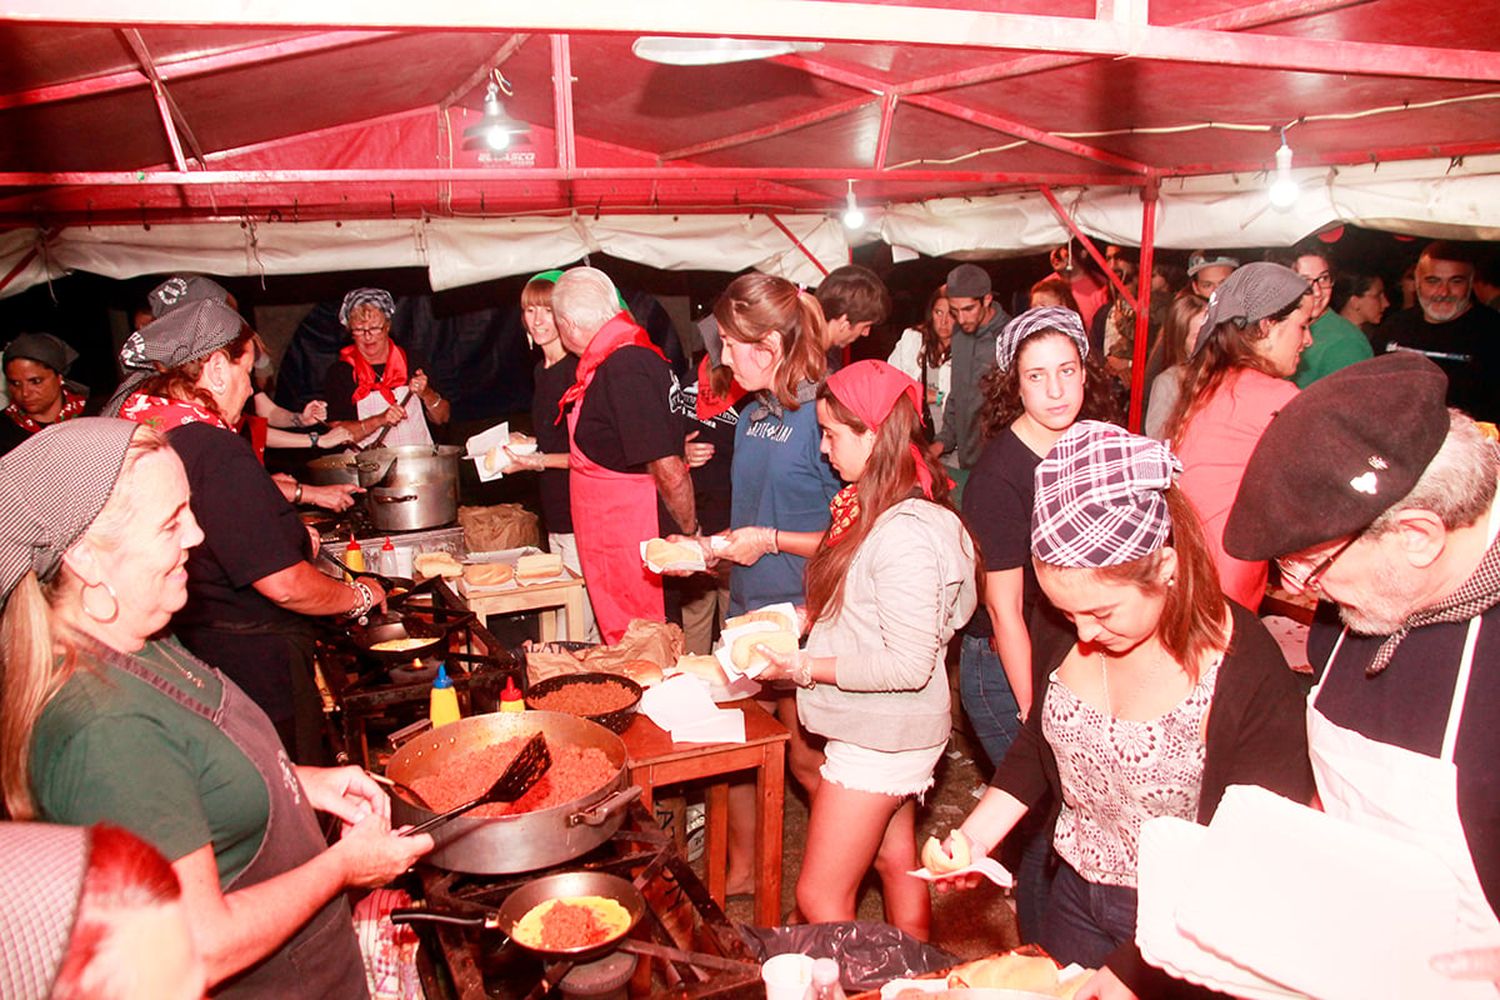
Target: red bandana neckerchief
710 405
845 510
365 381
621 331
164 414
72 406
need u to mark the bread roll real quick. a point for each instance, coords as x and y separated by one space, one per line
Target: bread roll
643 672
431 564
660 552
494 460
747 658
1007 972
541 566
488 574
706 667
937 861
780 619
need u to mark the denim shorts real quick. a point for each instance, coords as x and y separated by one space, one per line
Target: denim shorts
900 773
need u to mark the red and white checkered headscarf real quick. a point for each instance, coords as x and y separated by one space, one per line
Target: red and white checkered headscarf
1101 497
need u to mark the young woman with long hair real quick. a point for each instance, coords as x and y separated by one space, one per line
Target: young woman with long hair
1239 376
1169 360
925 352
1167 695
886 589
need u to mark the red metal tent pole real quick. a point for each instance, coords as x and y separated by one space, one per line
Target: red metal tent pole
562 104
1143 309
1088 245
799 244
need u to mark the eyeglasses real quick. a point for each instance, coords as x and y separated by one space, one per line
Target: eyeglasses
367 331
1306 582
1325 279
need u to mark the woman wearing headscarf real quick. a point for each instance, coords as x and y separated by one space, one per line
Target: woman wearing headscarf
104 717
40 395
890 583
1238 377
1169 695
251 585
376 382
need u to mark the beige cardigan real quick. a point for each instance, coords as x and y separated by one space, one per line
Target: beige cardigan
909 588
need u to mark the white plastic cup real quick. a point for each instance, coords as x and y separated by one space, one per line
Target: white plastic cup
787 977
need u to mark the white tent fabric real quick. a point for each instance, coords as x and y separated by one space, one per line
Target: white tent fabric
454 251
1433 198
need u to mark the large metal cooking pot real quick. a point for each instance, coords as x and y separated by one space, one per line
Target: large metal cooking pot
527 841
413 506
336 470
415 463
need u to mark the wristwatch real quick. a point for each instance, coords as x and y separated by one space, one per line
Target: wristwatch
313 436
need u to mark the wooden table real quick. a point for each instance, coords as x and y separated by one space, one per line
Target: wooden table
654 760
565 596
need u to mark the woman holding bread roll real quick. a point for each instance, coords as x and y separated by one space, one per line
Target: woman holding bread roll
888 586
1169 694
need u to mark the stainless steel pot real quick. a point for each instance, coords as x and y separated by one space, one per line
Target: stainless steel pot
415 463
527 841
335 470
413 506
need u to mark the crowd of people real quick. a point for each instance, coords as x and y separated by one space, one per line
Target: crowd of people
976 495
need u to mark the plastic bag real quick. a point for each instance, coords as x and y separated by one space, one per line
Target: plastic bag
870 954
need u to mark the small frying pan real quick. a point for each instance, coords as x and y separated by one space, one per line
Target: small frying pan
520 902
395 628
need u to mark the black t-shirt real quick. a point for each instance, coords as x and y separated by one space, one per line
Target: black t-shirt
250 532
997 509
1406 705
712 488
12 434
338 384
552 439
1467 349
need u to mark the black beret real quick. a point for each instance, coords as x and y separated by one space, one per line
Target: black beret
1339 455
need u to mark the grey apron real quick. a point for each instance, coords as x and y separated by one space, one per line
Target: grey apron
322 960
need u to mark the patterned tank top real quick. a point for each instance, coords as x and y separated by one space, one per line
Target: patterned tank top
1116 774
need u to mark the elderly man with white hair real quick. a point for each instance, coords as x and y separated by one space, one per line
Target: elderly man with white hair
627 475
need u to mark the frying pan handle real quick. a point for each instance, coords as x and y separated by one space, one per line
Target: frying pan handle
606 808
398 739
411 915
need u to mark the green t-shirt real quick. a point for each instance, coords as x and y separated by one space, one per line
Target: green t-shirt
111 748
1337 343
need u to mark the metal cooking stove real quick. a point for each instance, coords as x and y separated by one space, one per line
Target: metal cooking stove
684 946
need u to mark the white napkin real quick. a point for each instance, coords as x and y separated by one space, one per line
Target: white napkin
480 444
727 640
681 705
986 866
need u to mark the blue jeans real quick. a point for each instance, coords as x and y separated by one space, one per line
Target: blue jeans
988 700
1086 920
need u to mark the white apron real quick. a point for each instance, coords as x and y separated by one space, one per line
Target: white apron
411 430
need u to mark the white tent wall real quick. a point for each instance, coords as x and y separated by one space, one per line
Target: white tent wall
455 252
1434 198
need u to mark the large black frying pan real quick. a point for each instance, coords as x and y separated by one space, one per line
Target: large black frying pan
387 628
520 902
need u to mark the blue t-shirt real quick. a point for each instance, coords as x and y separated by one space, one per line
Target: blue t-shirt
781 480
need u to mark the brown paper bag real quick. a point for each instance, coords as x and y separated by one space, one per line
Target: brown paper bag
503 526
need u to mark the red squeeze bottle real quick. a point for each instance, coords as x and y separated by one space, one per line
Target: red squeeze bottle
510 698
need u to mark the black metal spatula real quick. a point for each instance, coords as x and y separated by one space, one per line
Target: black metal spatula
524 770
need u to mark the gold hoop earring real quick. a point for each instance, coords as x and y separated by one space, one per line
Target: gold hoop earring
114 613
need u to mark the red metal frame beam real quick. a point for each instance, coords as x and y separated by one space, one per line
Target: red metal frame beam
1351 158
797 242
883 139
768 131
562 105
1239 19
193 66
1143 312
158 92
825 20
1030 133
1088 245
132 178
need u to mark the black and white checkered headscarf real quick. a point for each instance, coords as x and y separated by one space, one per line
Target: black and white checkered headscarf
1064 321
39 898
184 334
1101 497
52 487
377 297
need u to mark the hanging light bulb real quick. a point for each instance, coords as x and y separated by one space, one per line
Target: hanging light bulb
854 216
1284 191
495 128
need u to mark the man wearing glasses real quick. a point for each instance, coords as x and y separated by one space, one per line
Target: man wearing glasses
1370 493
1336 342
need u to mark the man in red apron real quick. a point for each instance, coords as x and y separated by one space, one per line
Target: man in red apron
1371 494
625 450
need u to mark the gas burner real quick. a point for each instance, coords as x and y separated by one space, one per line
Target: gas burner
684 946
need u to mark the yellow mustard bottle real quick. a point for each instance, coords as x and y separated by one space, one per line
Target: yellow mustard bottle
511 699
354 556
443 702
